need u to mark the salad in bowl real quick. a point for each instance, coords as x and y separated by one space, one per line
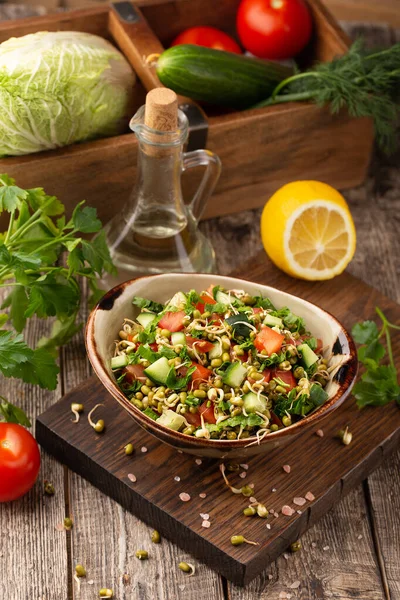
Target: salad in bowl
219 363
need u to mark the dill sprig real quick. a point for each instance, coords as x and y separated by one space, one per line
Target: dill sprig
365 82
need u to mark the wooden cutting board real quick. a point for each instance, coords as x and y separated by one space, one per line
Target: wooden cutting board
322 466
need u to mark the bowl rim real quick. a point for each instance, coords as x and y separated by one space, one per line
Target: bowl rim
107 301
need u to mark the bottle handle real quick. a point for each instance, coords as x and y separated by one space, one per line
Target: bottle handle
207 185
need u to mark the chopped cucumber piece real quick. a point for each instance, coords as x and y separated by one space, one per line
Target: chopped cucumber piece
118 362
223 298
178 301
178 338
308 356
254 403
171 419
145 318
216 351
272 321
234 375
158 371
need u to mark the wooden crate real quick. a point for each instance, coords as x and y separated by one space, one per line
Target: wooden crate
260 149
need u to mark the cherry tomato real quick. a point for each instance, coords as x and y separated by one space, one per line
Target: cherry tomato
287 377
274 29
209 37
206 299
269 340
134 372
207 412
19 461
173 321
201 345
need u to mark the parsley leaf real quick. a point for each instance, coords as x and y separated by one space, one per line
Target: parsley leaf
365 333
13 414
85 219
149 304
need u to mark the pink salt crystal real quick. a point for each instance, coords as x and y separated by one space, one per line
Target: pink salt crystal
203 495
286 557
245 467
205 516
184 497
198 461
287 468
177 478
243 474
299 501
359 537
319 433
206 524
252 500
273 490
313 545
131 477
325 548
270 576
60 527
251 485
268 525
143 449
295 585
310 497
276 515
287 511
299 512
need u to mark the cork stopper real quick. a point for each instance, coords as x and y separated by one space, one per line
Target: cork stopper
161 111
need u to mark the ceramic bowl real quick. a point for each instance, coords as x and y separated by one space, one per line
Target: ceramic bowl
105 322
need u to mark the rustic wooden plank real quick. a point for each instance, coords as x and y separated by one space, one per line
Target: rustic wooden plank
366 11
28 525
107 546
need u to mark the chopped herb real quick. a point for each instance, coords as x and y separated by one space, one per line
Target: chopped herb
150 413
218 308
150 305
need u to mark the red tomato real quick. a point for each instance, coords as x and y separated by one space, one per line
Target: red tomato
209 37
206 299
267 375
134 372
286 376
320 343
256 310
269 340
200 374
19 461
207 412
173 321
193 419
201 345
274 29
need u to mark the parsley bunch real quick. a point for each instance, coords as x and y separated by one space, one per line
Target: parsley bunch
30 265
379 384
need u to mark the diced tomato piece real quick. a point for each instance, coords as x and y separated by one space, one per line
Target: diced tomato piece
206 298
201 345
173 321
201 374
193 419
256 310
134 372
286 376
207 412
275 419
154 346
320 345
269 340
267 376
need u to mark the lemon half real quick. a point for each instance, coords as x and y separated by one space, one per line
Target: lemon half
307 230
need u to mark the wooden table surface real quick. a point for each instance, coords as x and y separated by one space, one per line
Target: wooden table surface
352 553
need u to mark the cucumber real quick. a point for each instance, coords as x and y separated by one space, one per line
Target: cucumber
234 375
219 77
272 321
216 351
178 338
118 362
308 356
171 419
158 371
177 301
145 319
223 298
254 403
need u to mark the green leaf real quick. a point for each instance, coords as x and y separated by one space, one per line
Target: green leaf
265 303
85 219
13 353
218 308
18 301
150 413
96 253
374 351
3 319
41 369
365 333
11 197
61 333
49 297
18 260
13 414
72 244
75 261
152 306
239 326
50 205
